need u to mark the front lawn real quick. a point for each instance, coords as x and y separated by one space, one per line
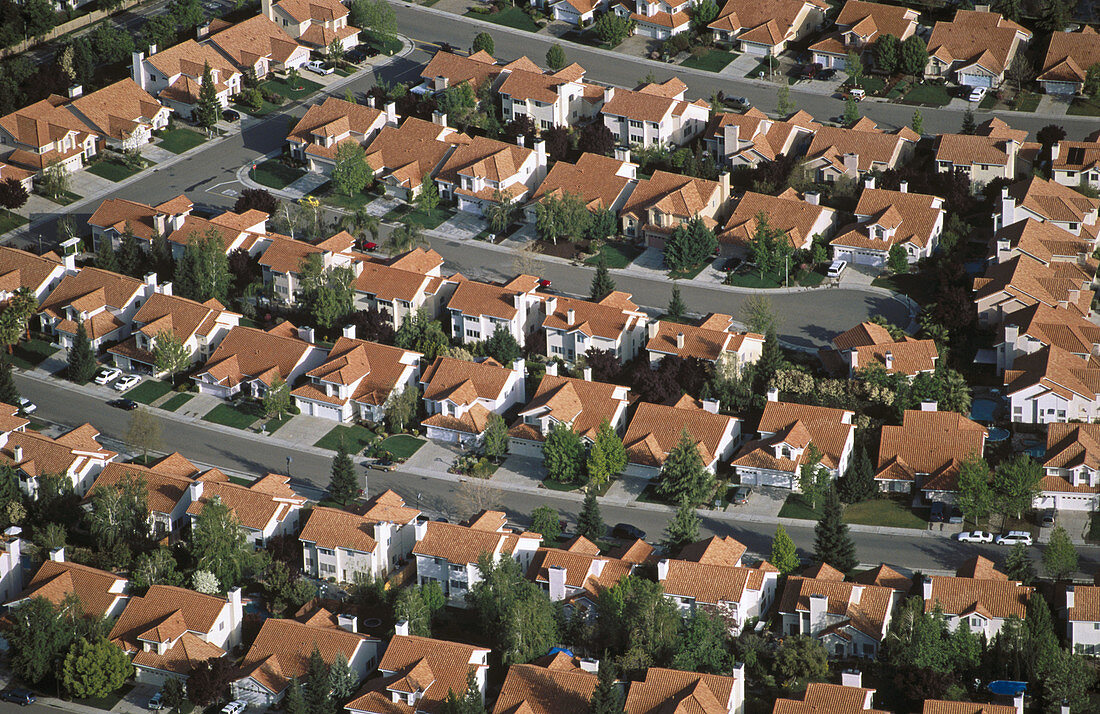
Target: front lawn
512 17
617 255
797 507
916 286
355 438
180 140
410 214
113 170
761 68
988 101
335 198
238 416
273 425
771 280
872 85
10 221
149 391
883 512
387 45
64 198
296 89
402 446
1085 107
1026 101
687 273
266 108
712 61
177 401
28 354
275 174
927 95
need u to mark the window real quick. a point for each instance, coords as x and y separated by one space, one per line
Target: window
555 350
636 139
543 124
326 551
473 334
1073 226
635 124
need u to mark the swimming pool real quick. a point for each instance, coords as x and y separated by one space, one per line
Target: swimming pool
997 435
982 410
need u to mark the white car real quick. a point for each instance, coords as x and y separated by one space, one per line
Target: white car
977 94
107 374
975 537
836 268
1014 537
235 707
126 382
320 68
26 406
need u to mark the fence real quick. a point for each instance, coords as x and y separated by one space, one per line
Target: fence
67 27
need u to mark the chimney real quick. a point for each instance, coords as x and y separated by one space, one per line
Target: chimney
371 101
439 118
731 138
552 369
1055 149
724 184
151 282
551 305
556 575
857 594
69 249
853 359
851 164
521 140
202 30
889 358
662 569
813 198
851 678
597 567
348 331
391 114
652 328
1069 597
152 50
1008 211
929 406
540 153
519 366
590 665
710 405
679 340
401 627
622 153
136 70
608 94
1064 709
166 288
233 597
773 394
1018 703
195 489
587 374
819 605
57 555
570 316
159 220
76 91
868 182
420 528
926 589
903 186
306 334
17 453
348 622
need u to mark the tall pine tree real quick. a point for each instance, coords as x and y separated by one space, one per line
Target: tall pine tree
859 483
602 283
784 553
676 306
343 486
682 528
81 357
9 394
683 475
607 698
590 522
207 108
832 542
131 256
105 258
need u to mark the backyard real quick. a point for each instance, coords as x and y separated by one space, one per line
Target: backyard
180 140
275 174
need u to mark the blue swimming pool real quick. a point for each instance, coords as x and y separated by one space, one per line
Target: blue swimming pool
997 435
982 410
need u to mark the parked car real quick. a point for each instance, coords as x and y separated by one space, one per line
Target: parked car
355 56
977 94
383 464
856 93
126 382
156 702
975 537
231 115
369 246
741 495
939 512
955 515
810 71
235 707
321 68
627 532
1046 519
1014 537
26 406
22 697
124 404
836 268
827 73
544 283
107 374
736 101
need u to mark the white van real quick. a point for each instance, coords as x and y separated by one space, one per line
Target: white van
836 268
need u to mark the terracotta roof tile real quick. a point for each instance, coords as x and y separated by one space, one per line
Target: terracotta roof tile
927 441
788 212
937 706
1086 604
248 353
458 544
97 590
445 665
542 690
1056 370
464 382
824 698
476 69
672 690
411 151
681 197
983 37
567 400
990 598
597 180
655 430
1070 54
863 607
282 650
332 528
20 269
197 612
1052 200
827 428
709 583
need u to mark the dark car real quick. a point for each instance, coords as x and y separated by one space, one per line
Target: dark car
22 697
939 512
446 47
741 495
735 101
230 115
355 56
811 71
826 73
125 404
955 515
368 50
627 532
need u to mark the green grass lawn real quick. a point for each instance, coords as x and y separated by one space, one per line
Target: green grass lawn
149 391
797 507
112 170
872 85
355 437
761 67
919 288
928 95
712 61
108 702
1085 107
883 512
10 221
752 279
402 446
409 214
689 273
617 255
266 108
28 354
1027 101
275 174
988 101
290 89
180 140
387 45
512 17
335 198
177 401
64 198
273 425
237 416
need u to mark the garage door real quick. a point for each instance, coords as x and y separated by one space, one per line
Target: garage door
567 14
753 49
976 80
1060 87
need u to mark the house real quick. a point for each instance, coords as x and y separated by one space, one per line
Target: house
43 134
23 176
927 450
573 327
729 591
752 137
858 150
75 455
123 115
257 43
849 618
1068 59
171 630
576 575
115 216
976 47
101 594
250 360
447 553
167 485
1071 468
282 649
557 684
282 261
656 429
711 341
994 151
237 231
1022 281
38 274
1051 202
317 135
1083 618
198 327
406 285
339 544
1045 242
316 24
460 396
979 595
858 27
656 19
1052 385
477 309
418 673
787 433
939 706
653 114
581 404
105 302
848 697
663 201
11 565
672 690
800 217
266 508
484 171
887 218
764 29
561 98
402 156
869 344
1076 163
600 182
174 76
446 69
1031 328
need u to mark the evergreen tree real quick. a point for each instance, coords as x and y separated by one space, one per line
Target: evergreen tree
683 527
81 358
683 476
607 698
859 483
969 126
9 393
918 122
1060 557
343 486
503 346
318 696
495 444
676 306
105 258
784 554
483 42
832 542
1018 565
563 454
602 283
208 107
203 270
975 496
547 521
555 58
590 522
131 257
703 645
607 457
295 701
770 362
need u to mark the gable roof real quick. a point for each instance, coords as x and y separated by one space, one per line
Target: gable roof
464 382
912 216
822 698
583 403
895 20
90 289
768 22
1057 371
115 213
1045 241
248 41
321 10
488 159
256 506
589 572
672 690
1069 55
118 109
373 369
1026 280
870 144
96 590
164 613
472 297
609 318
248 353
797 425
20 269
411 151
715 550
672 194
973 37
282 649
655 430
331 118
597 180
1052 201
788 212
926 442
65 454
189 58
865 608
712 584
477 69
531 689
334 528
989 598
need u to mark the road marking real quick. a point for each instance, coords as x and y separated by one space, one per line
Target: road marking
223 183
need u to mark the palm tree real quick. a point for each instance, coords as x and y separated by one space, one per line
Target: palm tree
499 213
405 237
362 222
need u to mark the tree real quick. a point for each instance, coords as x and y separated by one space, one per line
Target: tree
295 701
563 454
676 306
500 211
636 624
607 457
918 122
683 527
897 261
596 138
832 543
405 237
703 645
207 108
343 486
276 400
483 42
769 247
82 363
173 695
975 498
209 682
9 393
428 198
784 105
131 257
607 698
1056 15
690 244
422 334
155 567
1018 565
914 56
887 53
351 173
105 256
341 679
95 669
12 194
219 544
515 614
602 282
203 270
564 216
854 67
602 224
784 554
555 58
401 408
496 441
1021 71
612 29
858 483
169 353
813 478
1011 9
1060 557
375 16
1016 483
502 346
327 294
258 199
545 520
120 514
683 476
470 702
969 126
801 657
38 637
1091 87
590 521
851 111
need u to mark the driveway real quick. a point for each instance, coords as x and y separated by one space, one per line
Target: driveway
764 501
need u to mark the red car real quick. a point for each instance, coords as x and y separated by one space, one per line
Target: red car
544 283
370 246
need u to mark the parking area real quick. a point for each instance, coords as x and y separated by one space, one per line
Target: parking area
763 501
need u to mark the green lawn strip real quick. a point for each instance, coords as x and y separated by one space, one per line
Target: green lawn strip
112 170
760 69
812 278
1085 107
402 446
238 417
275 174
30 353
335 198
298 89
180 140
273 425
988 101
617 255
871 85
241 481
931 95
559 486
687 274
341 72
512 17
388 45
712 61
176 401
796 507
409 214
1027 102
266 108
64 198
356 438
149 391
10 221
883 512
919 288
